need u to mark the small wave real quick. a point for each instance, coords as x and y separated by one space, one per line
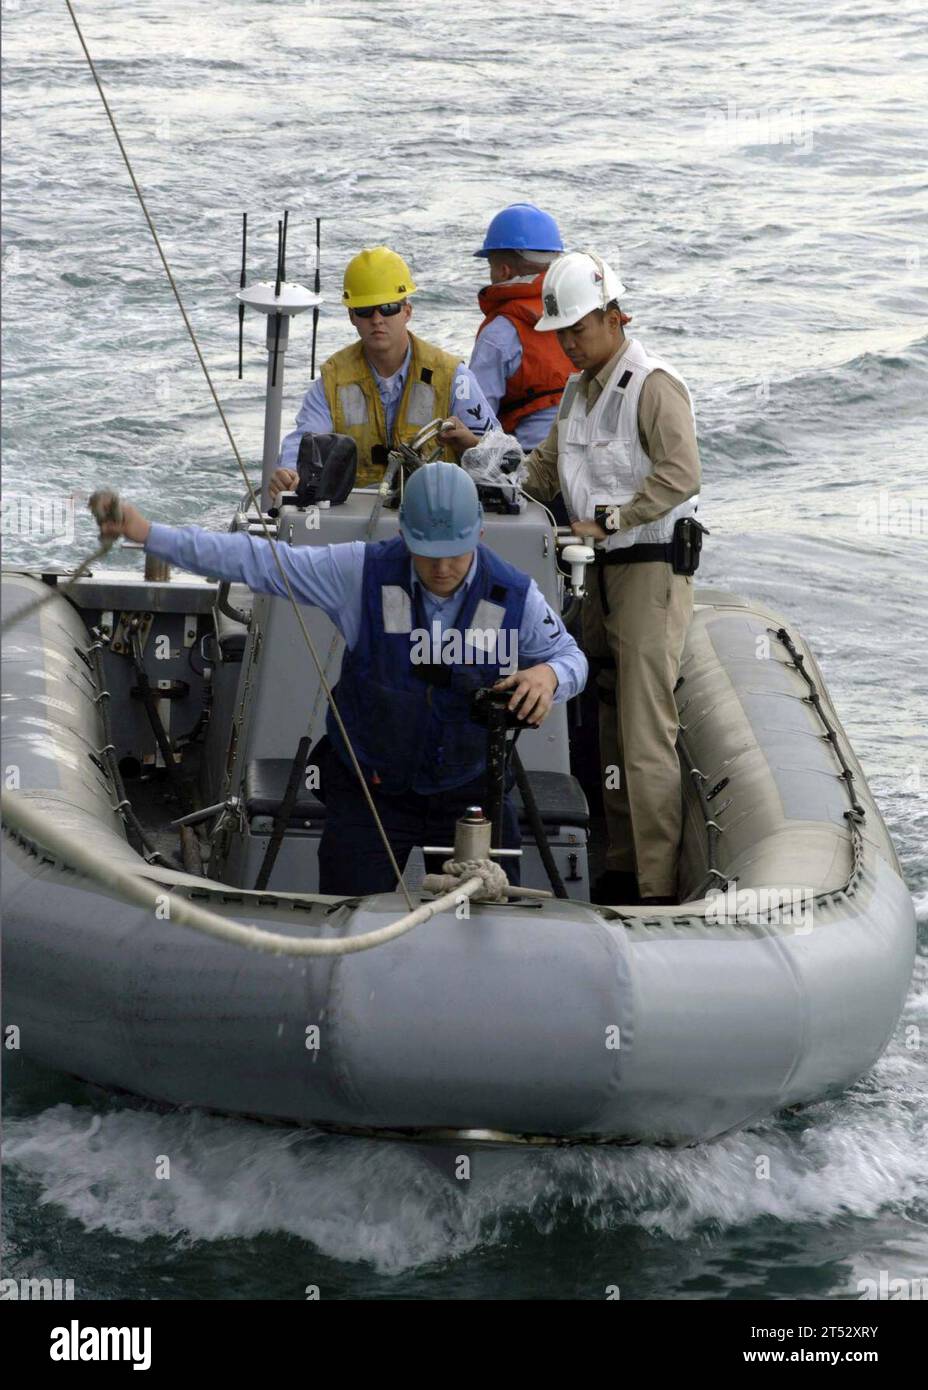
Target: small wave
863 377
380 1203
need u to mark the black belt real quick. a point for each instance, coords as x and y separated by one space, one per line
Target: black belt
634 554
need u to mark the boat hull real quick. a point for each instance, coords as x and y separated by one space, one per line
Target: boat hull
561 1020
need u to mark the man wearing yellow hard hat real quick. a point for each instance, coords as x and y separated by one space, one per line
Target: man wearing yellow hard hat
382 389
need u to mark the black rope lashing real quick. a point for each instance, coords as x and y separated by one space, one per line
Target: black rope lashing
714 876
831 733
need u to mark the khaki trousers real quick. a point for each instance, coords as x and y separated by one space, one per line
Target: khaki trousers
642 626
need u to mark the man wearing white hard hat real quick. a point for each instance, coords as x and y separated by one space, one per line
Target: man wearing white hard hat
623 452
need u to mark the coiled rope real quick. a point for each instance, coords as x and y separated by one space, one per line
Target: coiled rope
496 886
456 871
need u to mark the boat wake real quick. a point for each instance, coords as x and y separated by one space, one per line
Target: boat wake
383 1204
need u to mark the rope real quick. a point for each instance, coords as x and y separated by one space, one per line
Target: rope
20 815
458 874
108 512
492 878
244 472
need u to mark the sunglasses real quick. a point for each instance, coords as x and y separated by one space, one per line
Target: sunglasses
387 310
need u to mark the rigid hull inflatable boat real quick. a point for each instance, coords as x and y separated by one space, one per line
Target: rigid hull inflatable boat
778 980
142 716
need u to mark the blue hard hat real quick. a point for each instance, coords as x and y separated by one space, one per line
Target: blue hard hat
441 513
521 227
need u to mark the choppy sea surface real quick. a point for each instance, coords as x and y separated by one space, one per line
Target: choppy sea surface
757 173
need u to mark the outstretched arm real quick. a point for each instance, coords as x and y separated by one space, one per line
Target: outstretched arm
328 576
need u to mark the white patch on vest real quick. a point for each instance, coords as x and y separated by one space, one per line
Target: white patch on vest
397 609
489 642
487 615
567 400
353 404
421 407
610 417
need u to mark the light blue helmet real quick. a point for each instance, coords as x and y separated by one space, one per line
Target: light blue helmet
441 512
521 227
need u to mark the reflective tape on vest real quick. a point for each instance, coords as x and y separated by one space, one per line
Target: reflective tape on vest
396 607
353 404
484 625
421 407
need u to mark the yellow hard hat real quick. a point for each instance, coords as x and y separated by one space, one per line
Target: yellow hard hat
376 276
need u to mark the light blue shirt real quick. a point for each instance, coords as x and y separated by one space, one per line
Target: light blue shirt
497 356
468 403
331 578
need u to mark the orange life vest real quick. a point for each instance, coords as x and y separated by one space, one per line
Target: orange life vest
544 369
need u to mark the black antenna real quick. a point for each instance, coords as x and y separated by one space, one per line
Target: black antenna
312 368
283 249
241 306
277 318
281 240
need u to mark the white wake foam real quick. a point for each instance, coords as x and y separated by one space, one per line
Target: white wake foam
357 1200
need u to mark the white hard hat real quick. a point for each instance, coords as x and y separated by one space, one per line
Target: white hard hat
575 284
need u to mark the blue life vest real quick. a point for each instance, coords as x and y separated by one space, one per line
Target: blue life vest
409 723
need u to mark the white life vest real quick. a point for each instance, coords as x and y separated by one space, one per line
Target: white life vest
600 460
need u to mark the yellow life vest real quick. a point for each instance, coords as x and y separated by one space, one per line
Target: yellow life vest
357 410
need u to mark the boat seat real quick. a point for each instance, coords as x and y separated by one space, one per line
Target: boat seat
265 784
559 796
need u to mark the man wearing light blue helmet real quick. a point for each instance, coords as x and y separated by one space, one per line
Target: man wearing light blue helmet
428 617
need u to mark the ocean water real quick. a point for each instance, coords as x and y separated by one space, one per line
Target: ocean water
757 174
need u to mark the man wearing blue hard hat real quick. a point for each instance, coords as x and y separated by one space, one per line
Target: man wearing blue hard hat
428 618
522 373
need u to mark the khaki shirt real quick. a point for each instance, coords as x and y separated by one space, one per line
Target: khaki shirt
667 435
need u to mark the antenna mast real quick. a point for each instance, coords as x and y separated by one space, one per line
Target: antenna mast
280 301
